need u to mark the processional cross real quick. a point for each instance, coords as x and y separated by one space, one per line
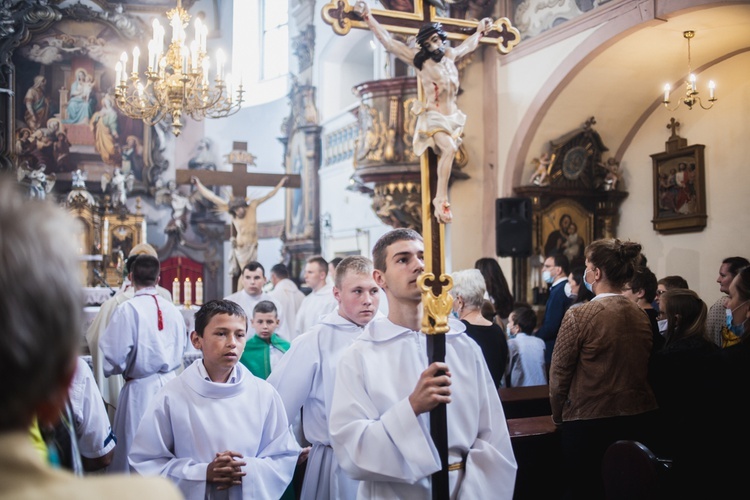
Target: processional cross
434 282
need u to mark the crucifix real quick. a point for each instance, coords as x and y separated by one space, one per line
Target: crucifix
244 236
439 127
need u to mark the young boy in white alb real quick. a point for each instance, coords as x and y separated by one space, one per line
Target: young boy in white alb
217 431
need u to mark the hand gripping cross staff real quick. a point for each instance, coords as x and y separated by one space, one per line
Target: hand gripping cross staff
439 121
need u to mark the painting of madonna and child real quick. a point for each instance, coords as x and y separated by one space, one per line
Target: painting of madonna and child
66 116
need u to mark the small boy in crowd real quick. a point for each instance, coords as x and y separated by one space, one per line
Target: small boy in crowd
264 349
525 351
216 427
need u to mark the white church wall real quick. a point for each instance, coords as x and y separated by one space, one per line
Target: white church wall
696 256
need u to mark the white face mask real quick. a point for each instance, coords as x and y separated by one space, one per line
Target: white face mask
662 326
547 277
568 289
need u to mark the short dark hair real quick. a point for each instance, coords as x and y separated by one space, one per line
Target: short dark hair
561 261
525 318
379 251
280 271
645 280
673 281
735 264
254 265
129 263
145 269
335 261
214 307
265 306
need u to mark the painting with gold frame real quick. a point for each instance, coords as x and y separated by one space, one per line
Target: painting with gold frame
566 227
679 190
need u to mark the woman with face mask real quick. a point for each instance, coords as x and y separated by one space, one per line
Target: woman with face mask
574 289
468 297
737 310
599 390
678 374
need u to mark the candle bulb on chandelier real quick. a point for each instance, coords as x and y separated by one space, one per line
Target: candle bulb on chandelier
136 57
194 55
198 30
204 36
185 59
229 87
667 90
693 86
118 73
711 90
219 64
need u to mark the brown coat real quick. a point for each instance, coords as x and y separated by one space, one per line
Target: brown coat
600 362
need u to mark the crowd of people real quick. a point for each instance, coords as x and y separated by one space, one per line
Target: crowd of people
326 396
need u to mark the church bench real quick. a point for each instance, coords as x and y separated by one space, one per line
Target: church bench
530 401
536 446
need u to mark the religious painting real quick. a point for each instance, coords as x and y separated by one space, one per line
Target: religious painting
300 209
120 235
66 116
679 190
566 227
534 17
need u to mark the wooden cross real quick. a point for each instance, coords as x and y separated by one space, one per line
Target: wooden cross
239 178
434 282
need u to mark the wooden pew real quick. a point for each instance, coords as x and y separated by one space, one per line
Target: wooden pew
536 446
519 402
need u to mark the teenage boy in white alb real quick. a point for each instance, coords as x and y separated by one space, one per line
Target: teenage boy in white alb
305 375
253 279
320 301
384 391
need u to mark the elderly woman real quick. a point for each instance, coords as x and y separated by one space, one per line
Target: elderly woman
468 296
599 388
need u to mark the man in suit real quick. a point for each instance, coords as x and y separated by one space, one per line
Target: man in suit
555 273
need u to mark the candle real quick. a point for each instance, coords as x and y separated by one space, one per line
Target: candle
136 56
711 90
185 59
199 292
692 82
198 30
118 73
667 90
188 291
194 54
176 292
124 61
219 64
204 35
229 87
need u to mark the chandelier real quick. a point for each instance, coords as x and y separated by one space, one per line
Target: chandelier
691 89
176 82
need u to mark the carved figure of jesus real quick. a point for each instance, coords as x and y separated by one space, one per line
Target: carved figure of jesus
244 220
439 121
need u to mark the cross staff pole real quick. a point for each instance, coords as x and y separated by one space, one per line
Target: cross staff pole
434 282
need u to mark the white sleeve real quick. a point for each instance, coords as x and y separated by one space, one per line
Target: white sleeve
94 433
116 342
294 375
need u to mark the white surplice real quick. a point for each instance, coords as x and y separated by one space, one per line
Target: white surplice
248 303
287 293
315 305
379 440
110 387
147 357
304 379
192 419
90 420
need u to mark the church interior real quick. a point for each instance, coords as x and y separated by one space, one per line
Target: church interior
579 91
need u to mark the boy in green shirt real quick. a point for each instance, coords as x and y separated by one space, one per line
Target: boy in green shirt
265 348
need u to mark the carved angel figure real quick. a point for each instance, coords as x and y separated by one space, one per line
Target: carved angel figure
39 182
79 179
539 177
118 185
181 206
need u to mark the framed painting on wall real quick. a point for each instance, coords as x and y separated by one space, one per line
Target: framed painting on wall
567 227
679 190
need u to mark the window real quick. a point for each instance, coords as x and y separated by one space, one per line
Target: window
260 48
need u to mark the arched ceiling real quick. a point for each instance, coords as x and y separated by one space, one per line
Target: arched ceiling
618 74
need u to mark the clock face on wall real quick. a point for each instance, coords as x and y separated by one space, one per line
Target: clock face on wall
574 162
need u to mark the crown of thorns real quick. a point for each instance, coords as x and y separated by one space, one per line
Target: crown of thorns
427 30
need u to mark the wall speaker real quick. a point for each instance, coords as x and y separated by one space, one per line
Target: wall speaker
513 223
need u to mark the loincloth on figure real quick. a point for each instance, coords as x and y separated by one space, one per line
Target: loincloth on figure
430 122
240 256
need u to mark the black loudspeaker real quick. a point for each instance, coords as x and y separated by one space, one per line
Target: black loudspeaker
513 227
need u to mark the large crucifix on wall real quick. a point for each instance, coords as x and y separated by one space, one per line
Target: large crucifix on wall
244 233
439 127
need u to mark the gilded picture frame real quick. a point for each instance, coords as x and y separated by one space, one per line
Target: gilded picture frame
566 227
679 190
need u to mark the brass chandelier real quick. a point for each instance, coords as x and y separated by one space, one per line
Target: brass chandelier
691 88
176 82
